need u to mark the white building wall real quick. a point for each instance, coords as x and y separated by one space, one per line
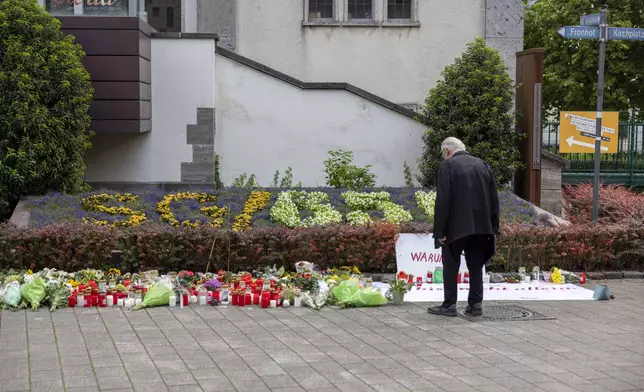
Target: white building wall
264 124
183 80
400 64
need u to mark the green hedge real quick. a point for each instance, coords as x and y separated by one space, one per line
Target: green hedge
74 246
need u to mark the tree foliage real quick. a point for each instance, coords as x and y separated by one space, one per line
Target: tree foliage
45 94
472 102
570 71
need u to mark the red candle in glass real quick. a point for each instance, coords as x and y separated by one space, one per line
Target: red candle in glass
102 300
265 302
255 298
458 278
71 301
185 299
217 295
94 299
248 299
88 301
259 282
209 297
235 298
240 299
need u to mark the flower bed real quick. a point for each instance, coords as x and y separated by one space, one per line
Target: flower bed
242 209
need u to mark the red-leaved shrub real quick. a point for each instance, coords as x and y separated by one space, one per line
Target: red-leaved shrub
617 205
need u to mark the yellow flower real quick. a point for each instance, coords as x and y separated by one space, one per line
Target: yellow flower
214 212
96 203
73 283
256 202
30 272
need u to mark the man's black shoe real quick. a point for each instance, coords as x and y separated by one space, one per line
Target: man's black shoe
474 310
443 311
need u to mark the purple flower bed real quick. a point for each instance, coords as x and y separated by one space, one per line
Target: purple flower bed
58 208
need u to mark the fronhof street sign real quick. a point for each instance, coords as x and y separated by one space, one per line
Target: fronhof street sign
577 132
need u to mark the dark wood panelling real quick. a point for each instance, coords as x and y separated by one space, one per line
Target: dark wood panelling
121 91
105 23
114 68
109 42
145 46
118 58
121 126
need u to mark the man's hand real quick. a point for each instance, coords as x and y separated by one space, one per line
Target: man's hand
442 240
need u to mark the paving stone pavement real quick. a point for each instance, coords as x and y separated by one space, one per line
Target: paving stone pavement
591 346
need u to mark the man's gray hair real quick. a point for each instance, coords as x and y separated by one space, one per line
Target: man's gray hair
452 144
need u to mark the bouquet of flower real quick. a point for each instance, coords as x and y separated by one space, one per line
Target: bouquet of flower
186 279
212 284
401 283
559 276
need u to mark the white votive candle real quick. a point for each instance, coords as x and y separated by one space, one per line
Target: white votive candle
273 303
110 301
138 301
120 302
193 299
297 302
172 301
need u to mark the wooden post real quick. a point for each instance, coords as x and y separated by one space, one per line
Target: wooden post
529 107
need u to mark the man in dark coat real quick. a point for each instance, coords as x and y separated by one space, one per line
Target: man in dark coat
466 219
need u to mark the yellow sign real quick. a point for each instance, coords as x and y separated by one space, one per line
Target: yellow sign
577 132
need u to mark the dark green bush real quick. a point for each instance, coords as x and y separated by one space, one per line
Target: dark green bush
45 94
473 102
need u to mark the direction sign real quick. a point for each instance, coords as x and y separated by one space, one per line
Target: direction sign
626 33
579 32
577 132
590 20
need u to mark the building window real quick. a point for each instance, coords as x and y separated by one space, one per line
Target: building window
320 9
360 9
89 7
164 15
399 9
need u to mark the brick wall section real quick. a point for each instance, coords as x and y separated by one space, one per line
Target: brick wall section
202 138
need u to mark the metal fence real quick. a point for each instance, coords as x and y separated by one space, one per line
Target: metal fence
624 167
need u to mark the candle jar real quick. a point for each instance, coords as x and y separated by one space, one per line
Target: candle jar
138 294
102 285
458 278
109 301
80 300
203 296
241 301
297 302
235 300
266 286
102 300
120 302
193 300
217 295
185 298
112 283
273 303
172 301
248 299
255 298
71 301
94 299
265 302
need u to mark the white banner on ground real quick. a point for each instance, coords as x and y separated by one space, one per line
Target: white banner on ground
541 291
416 254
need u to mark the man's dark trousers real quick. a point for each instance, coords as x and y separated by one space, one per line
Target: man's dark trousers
478 250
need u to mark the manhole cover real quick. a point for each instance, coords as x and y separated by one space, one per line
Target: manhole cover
505 313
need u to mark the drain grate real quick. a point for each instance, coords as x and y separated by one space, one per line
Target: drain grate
504 313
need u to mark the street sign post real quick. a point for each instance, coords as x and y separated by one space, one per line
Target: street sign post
579 32
577 132
590 20
595 26
625 33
